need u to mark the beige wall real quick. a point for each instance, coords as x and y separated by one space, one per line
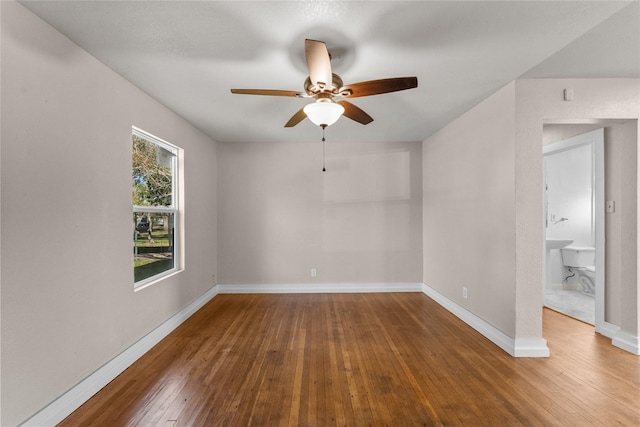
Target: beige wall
539 102
280 215
469 210
68 304
483 200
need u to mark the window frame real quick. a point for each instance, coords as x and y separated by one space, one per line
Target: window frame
174 208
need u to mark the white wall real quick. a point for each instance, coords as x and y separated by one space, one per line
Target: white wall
569 179
280 215
68 304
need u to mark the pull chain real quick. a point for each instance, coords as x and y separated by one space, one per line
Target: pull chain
323 144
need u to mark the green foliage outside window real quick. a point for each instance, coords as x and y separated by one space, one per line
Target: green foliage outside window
152 182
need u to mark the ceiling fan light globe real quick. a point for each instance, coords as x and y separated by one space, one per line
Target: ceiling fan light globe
323 113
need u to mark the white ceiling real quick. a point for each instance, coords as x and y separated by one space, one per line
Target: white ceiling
188 54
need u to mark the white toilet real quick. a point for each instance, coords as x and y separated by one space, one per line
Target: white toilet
581 260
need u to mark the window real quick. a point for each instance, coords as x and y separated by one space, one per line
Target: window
155 207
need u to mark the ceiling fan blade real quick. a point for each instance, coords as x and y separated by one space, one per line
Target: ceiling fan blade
377 87
296 118
270 92
318 63
355 113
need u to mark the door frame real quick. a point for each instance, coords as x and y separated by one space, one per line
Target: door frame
595 139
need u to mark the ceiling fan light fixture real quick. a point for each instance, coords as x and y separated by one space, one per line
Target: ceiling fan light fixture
323 112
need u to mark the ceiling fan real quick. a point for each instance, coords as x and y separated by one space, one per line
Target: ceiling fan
325 87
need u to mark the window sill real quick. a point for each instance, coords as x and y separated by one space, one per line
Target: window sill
155 279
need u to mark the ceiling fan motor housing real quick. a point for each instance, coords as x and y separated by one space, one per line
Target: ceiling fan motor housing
312 90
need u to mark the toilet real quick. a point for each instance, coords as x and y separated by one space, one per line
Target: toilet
581 260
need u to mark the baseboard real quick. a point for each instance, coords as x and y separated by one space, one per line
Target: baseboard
321 288
515 347
627 342
619 339
63 406
609 330
530 347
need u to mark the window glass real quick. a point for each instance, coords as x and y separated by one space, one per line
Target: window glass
154 185
152 174
153 244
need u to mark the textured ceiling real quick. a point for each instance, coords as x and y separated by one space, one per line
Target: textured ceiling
189 54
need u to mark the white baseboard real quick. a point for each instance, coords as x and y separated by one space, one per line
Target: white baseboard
627 342
63 406
619 339
536 347
322 288
609 330
530 347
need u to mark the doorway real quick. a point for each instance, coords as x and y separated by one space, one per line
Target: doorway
574 210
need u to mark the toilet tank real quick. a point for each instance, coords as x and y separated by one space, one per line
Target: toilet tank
578 256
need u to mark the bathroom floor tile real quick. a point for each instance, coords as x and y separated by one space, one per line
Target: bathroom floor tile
572 303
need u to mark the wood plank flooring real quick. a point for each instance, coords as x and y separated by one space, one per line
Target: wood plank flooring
363 360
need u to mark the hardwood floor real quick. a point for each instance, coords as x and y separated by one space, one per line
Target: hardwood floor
363 359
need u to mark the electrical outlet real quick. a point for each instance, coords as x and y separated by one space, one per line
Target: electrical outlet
464 292
314 272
